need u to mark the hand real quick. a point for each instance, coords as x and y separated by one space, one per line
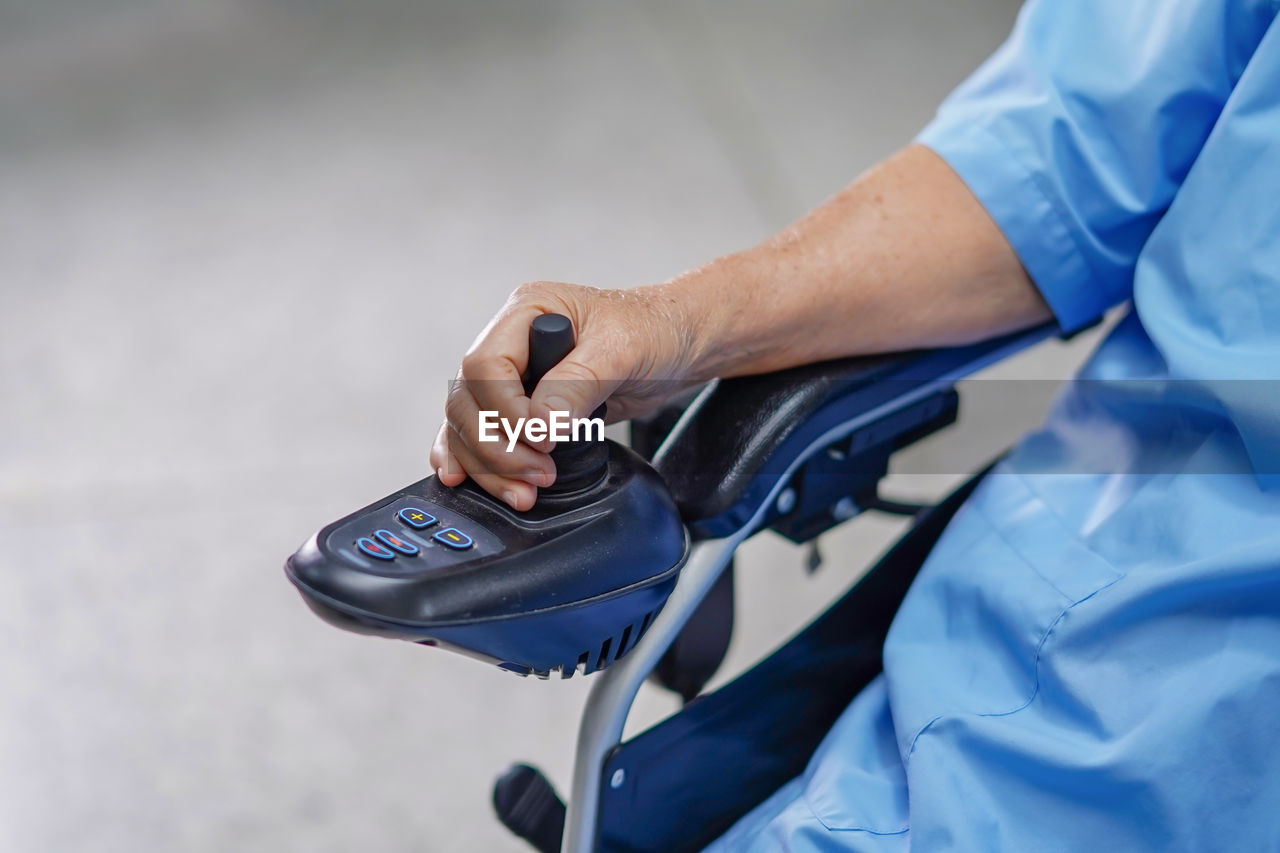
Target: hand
634 349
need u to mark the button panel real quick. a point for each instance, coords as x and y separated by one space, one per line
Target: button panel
413 535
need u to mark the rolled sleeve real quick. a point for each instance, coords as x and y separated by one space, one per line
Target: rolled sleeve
1078 132
1028 213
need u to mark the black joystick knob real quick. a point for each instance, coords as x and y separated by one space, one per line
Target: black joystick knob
550 340
579 464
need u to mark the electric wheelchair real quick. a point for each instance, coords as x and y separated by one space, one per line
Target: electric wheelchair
625 567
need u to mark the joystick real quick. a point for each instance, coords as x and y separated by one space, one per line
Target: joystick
579 464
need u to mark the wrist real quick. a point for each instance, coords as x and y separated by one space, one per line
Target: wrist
715 311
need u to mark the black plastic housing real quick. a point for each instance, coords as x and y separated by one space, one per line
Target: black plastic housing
570 585
740 435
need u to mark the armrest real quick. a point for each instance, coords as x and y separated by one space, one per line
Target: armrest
724 459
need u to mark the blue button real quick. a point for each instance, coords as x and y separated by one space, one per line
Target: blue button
416 518
395 543
454 538
374 549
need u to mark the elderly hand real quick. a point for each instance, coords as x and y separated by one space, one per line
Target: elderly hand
634 349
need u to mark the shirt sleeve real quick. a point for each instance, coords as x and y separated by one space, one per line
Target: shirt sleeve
1078 131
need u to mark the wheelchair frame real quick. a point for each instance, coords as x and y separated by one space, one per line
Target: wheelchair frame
613 693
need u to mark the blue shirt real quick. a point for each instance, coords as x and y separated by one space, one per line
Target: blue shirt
1090 658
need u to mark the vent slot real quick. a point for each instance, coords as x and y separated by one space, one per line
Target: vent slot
603 660
622 643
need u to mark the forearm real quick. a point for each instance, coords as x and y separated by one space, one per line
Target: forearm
904 257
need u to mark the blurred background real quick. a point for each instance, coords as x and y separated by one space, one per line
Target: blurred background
242 248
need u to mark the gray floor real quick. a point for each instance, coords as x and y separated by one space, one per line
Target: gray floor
242 246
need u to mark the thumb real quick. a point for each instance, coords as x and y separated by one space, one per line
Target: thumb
576 386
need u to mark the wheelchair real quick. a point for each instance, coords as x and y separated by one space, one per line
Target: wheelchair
626 570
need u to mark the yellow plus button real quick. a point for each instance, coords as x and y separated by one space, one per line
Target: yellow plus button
415 517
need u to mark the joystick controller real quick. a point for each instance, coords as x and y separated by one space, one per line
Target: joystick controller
579 464
568 586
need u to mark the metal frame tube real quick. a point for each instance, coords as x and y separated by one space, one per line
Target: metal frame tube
615 689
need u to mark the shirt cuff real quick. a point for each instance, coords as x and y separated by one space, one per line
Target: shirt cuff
1028 212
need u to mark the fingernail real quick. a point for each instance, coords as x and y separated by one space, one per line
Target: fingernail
510 498
538 477
558 404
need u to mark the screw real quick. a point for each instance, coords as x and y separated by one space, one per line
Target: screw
844 509
786 501
619 776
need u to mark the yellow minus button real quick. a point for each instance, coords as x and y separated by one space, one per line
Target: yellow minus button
454 538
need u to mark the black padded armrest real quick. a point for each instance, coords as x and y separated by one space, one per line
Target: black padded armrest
723 458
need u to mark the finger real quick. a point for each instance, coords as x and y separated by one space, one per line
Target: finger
506 337
497 454
573 386
517 494
508 332
447 467
493 382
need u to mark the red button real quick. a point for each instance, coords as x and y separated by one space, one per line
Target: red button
386 537
374 549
